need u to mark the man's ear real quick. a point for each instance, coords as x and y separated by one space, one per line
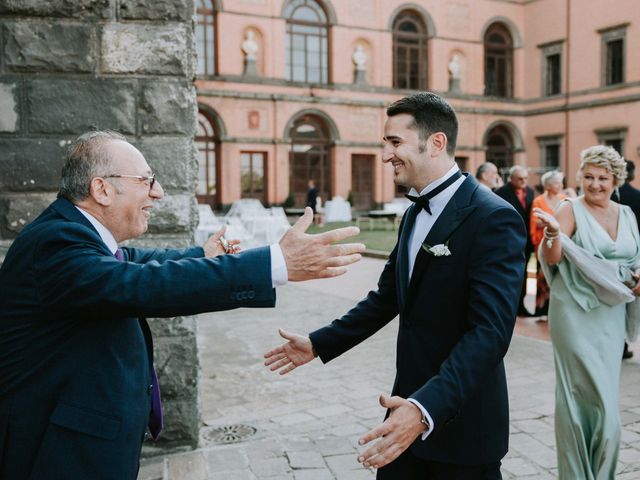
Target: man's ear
439 143
101 191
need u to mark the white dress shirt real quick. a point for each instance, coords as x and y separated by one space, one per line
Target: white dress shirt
421 228
279 273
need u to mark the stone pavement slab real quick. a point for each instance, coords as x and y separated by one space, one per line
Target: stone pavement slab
307 423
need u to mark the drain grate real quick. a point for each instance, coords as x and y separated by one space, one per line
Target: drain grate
230 433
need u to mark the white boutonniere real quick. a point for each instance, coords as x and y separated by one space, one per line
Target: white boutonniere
440 250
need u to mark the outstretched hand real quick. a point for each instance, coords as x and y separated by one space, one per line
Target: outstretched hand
396 433
214 247
313 256
296 352
546 220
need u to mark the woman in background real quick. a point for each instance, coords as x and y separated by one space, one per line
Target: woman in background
548 202
587 334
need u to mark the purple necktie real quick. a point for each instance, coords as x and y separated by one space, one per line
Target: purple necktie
155 415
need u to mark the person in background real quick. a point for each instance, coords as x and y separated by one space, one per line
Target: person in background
626 194
312 202
488 176
520 196
588 333
548 202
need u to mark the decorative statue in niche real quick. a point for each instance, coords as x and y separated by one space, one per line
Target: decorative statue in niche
454 73
250 47
359 58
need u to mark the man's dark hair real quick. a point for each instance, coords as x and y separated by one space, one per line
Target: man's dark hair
631 170
431 114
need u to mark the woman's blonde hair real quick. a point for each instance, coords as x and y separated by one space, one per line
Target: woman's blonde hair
605 157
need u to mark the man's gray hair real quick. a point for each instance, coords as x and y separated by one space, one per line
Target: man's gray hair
552 176
483 168
515 168
87 159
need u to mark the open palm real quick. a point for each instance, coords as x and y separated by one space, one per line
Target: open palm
297 351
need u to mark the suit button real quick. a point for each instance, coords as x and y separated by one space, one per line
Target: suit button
149 389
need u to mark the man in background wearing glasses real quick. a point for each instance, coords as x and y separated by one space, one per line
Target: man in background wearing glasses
78 389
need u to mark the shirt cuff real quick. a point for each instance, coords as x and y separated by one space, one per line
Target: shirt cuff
426 415
279 273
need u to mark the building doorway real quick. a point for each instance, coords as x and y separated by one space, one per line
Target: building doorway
362 181
309 159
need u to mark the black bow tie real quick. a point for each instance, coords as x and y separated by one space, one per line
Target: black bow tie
422 202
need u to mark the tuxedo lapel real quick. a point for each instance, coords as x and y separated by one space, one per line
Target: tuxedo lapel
455 212
402 261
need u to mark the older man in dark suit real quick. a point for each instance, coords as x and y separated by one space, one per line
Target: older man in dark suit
77 384
520 196
454 277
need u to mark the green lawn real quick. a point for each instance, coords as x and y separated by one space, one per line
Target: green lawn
378 240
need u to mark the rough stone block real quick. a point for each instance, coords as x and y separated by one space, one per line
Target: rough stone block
173 160
173 327
8 108
181 422
59 8
176 359
168 107
148 49
47 47
75 106
31 164
177 10
175 213
17 211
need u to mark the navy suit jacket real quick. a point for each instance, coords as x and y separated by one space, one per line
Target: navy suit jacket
457 316
75 350
630 196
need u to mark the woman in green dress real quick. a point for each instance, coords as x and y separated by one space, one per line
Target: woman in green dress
587 334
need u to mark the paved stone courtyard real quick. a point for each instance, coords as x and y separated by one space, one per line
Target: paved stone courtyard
307 423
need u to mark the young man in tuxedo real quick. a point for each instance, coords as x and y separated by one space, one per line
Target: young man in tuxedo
78 389
454 278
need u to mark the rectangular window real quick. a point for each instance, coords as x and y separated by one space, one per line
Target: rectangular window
553 74
613 137
615 62
613 54
550 152
551 68
252 165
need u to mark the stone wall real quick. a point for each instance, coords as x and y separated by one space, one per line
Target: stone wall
69 66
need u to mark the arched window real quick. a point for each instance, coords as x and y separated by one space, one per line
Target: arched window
500 148
498 62
409 51
207 143
205 37
306 42
310 158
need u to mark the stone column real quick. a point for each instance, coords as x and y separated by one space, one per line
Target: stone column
68 67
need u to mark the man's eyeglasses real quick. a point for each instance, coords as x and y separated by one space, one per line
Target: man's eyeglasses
150 180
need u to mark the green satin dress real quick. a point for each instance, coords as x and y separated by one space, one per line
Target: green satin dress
588 338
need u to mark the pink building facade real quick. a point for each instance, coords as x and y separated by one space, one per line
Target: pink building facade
292 90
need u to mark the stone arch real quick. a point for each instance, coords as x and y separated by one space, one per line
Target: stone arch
428 21
516 136
215 119
509 25
332 128
326 5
